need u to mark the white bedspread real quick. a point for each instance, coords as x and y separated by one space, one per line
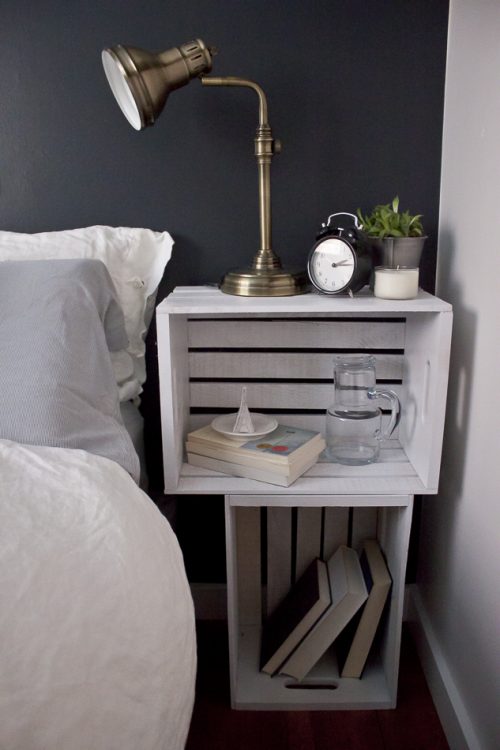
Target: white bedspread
97 644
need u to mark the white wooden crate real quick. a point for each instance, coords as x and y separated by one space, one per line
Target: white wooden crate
282 349
248 602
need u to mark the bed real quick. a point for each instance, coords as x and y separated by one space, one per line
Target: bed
97 638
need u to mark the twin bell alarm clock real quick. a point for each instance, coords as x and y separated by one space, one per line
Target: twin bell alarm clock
341 259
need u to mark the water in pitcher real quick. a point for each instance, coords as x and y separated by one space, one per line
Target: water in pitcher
353 436
354 421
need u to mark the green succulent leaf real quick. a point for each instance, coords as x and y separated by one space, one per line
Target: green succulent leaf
385 220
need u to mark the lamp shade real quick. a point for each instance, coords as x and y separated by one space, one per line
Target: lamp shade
141 81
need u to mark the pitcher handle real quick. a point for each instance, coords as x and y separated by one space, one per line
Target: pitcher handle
395 409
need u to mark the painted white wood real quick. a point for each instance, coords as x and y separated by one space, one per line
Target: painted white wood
276 364
248 559
380 495
427 356
393 463
209 301
364 526
213 483
296 334
308 544
336 524
258 691
378 687
323 501
279 555
174 393
265 395
233 615
394 538
421 393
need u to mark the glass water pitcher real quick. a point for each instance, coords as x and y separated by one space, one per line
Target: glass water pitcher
354 421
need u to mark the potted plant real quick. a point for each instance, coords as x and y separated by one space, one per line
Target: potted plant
398 237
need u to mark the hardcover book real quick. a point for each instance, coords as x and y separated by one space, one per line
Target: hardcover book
356 641
295 615
348 593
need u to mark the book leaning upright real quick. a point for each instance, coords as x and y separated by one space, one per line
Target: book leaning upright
360 633
348 593
294 616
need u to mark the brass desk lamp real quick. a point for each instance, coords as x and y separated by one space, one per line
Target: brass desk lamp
141 82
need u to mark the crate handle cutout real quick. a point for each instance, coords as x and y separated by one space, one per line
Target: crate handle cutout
311 685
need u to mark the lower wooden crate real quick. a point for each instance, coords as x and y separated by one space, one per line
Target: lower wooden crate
248 600
321 690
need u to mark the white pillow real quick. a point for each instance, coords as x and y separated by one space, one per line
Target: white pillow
136 260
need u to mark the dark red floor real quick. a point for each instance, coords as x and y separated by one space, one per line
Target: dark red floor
413 725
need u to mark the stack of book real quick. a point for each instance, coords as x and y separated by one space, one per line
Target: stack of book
340 601
278 458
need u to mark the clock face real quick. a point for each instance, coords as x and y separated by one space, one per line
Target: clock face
331 265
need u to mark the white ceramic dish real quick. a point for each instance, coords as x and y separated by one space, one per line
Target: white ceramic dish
263 425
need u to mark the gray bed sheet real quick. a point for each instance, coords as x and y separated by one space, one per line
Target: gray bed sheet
59 320
134 424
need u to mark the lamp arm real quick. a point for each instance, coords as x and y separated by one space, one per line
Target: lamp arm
265 148
234 81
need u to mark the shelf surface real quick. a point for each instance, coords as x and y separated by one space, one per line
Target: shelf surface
258 691
392 475
210 301
195 481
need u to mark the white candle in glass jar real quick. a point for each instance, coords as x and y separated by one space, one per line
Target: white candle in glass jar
396 283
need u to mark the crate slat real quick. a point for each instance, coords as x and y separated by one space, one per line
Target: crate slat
248 565
308 538
364 526
335 530
265 395
279 555
283 365
296 334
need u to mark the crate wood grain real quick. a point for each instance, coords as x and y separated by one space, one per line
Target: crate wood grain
269 365
296 334
289 396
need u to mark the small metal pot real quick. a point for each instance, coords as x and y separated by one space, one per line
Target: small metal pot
392 252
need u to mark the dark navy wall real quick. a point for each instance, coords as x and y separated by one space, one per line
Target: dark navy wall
355 91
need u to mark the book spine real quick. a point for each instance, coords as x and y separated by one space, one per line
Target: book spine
378 582
348 593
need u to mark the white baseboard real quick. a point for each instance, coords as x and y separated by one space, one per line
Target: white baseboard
449 705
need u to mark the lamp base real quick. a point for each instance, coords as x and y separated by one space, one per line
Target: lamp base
276 282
